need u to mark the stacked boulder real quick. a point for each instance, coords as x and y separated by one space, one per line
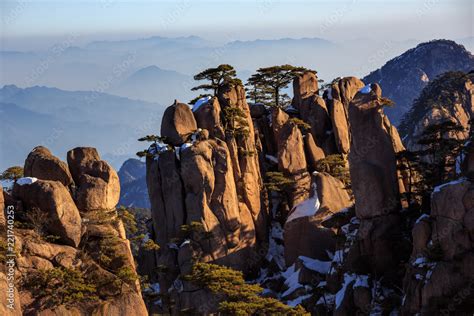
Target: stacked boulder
205 189
65 214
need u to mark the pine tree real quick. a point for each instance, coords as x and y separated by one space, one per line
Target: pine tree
336 166
440 149
256 92
238 297
274 79
12 173
217 77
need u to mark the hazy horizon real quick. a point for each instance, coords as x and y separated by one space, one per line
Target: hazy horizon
51 44
32 25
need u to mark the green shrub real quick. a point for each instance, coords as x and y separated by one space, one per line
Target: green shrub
59 286
239 298
150 245
336 166
302 125
12 173
276 181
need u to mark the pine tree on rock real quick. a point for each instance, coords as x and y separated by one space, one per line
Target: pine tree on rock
273 80
217 76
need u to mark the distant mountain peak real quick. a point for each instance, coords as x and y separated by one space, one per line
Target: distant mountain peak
402 78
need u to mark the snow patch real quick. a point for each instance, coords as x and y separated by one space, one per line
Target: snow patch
200 102
366 89
272 158
26 180
319 266
326 299
275 249
306 208
291 276
439 187
298 300
359 281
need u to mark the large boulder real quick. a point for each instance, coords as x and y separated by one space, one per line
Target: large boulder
178 124
208 116
78 158
303 233
54 199
98 185
42 164
291 155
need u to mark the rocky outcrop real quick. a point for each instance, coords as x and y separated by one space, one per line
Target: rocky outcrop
178 123
291 155
372 158
303 233
338 98
208 116
41 164
404 77
215 204
53 199
441 264
97 183
304 86
206 195
313 110
246 166
82 262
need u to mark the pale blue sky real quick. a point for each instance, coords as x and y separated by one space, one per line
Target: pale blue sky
231 20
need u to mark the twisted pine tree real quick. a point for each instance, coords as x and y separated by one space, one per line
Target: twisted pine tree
271 80
216 77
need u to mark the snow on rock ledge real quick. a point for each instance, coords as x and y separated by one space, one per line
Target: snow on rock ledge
26 180
308 207
366 89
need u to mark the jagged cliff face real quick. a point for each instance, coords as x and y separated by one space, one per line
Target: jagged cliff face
404 77
310 241
71 252
254 188
206 183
